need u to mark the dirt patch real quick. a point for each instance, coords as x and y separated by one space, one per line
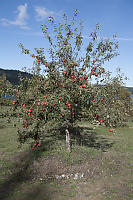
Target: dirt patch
53 168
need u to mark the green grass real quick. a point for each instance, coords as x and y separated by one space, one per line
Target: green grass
104 158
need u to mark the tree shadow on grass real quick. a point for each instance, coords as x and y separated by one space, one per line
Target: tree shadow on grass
2 126
20 174
85 136
37 192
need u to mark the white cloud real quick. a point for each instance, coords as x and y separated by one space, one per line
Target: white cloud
125 39
20 18
117 38
42 13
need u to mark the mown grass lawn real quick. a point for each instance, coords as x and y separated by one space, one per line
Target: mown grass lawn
100 166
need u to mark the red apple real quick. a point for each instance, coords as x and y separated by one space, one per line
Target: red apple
101 121
62 114
97 116
69 105
86 77
92 71
111 130
84 85
94 100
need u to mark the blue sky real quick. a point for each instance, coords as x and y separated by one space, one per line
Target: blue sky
20 22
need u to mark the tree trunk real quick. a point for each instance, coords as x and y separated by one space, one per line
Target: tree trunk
68 145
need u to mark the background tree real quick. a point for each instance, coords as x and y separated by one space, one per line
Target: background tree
116 104
6 89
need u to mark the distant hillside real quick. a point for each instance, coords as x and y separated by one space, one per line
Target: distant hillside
13 75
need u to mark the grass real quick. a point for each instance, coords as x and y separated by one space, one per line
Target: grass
104 159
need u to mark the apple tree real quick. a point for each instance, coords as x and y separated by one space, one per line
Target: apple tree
61 92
